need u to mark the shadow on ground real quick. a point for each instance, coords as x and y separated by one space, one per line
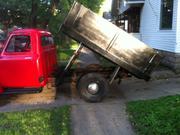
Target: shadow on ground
70 92
4 99
46 96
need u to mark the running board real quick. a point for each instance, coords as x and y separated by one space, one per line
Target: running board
21 90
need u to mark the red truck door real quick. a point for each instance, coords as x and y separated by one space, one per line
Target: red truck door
17 60
48 55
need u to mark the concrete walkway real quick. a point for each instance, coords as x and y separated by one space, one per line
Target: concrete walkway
108 117
100 119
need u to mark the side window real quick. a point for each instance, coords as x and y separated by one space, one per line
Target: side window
47 40
19 44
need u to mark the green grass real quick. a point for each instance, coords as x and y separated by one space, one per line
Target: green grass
36 122
156 117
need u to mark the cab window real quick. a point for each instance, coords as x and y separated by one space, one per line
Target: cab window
19 44
47 40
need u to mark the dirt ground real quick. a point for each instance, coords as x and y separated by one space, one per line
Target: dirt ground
108 117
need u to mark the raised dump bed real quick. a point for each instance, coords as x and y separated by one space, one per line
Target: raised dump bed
110 41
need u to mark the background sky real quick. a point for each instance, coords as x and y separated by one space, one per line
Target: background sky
107 5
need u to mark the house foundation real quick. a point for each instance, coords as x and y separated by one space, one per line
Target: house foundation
171 60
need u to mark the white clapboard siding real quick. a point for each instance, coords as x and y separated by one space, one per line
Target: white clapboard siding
150 27
178 27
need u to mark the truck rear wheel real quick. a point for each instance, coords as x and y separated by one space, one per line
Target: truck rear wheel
92 87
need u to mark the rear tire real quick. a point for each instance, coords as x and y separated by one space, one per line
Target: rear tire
92 87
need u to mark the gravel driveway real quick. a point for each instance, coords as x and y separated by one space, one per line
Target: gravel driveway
108 117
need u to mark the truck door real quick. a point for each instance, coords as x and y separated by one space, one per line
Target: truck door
48 55
17 62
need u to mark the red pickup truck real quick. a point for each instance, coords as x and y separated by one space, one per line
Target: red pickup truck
27 61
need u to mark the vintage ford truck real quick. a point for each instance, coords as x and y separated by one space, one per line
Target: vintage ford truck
28 57
27 61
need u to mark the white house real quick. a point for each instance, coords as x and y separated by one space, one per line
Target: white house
155 22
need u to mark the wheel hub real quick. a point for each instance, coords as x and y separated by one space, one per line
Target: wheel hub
93 88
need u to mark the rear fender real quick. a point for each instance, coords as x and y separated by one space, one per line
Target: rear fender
1 89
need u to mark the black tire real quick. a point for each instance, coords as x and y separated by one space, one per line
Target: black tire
89 79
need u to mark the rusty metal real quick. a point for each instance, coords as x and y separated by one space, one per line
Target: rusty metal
73 57
108 40
114 74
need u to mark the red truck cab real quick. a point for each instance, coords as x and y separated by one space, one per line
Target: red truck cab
27 60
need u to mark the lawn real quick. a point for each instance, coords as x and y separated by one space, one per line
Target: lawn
156 117
55 121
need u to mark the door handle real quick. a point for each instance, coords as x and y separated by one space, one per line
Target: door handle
28 58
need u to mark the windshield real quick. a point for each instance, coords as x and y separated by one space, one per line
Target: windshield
1 45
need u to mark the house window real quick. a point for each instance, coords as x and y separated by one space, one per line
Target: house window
166 14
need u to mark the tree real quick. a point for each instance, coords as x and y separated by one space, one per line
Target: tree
46 14
60 12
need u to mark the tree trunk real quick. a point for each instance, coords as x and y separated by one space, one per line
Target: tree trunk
33 15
